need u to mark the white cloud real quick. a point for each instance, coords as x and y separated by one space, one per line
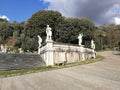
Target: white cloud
117 20
62 6
99 11
4 17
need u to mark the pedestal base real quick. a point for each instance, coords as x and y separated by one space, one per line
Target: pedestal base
81 45
38 50
49 40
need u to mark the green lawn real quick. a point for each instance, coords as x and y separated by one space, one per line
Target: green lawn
46 68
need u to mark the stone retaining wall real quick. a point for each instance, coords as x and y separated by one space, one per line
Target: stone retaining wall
20 61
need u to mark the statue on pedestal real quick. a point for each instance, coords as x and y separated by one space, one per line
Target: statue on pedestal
80 39
49 33
92 45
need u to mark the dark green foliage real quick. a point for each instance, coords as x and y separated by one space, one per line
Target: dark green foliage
71 27
119 45
36 25
38 22
64 30
67 31
3 20
6 29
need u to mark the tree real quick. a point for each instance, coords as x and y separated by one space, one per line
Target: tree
36 25
110 35
6 30
88 30
69 30
38 22
119 45
3 20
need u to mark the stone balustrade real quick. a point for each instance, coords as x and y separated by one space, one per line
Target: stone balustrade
55 53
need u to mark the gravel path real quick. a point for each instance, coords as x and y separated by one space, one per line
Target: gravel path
102 75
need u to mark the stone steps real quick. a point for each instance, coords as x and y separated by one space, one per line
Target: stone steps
19 61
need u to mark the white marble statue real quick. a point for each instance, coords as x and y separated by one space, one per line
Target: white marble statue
39 41
92 44
20 50
80 39
3 48
49 33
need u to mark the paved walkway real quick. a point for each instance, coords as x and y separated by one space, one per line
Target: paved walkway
103 75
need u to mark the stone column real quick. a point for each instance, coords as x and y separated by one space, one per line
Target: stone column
38 50
49 53
82 52
93 55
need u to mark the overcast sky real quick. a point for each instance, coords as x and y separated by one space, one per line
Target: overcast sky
99 11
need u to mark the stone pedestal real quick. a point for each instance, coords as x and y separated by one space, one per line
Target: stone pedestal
38 50
49 53
93 55
82 52
55 53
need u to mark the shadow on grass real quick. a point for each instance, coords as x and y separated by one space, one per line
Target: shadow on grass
47 68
